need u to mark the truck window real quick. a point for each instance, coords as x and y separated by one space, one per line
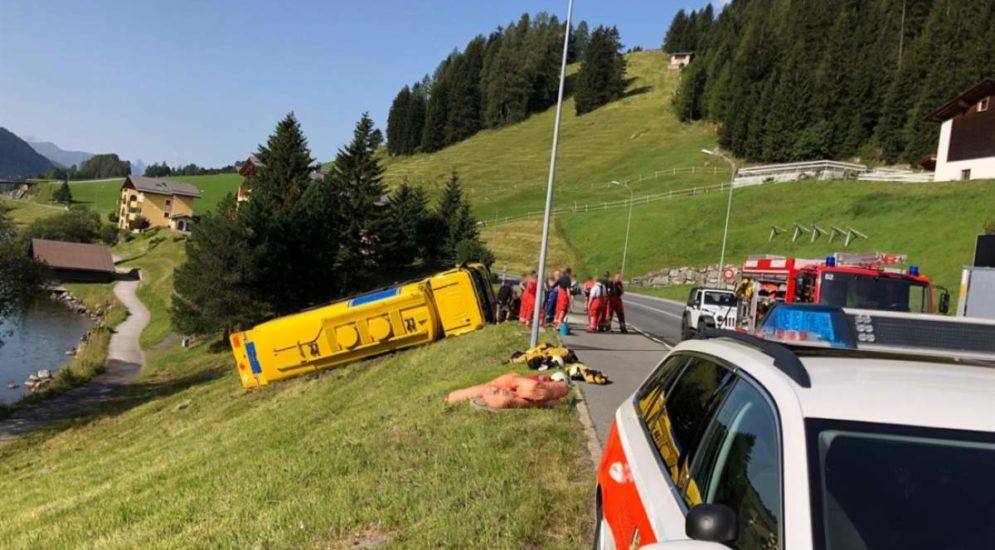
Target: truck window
873 292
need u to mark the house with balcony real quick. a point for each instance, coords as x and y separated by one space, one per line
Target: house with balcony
966 148
160 202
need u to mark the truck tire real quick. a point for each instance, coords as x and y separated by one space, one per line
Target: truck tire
686 332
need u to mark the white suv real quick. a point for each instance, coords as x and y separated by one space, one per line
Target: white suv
866 437
708 308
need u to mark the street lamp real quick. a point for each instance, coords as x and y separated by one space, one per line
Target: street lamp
534 339
725 232
628 224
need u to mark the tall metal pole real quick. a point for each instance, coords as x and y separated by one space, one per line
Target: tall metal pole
725 232
628 225
540 299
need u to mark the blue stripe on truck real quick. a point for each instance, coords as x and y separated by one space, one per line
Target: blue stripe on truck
250 348
374 297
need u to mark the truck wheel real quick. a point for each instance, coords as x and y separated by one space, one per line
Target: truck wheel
702 327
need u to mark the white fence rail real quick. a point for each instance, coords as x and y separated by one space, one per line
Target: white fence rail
606 205
897 175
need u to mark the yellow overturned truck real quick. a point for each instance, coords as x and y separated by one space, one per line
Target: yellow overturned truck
450 303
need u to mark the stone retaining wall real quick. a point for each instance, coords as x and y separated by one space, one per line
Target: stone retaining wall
710 276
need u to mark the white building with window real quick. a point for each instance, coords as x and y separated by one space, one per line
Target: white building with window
967 135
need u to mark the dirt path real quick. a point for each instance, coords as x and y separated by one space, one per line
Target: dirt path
124 361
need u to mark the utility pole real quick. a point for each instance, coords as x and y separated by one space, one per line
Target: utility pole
540 299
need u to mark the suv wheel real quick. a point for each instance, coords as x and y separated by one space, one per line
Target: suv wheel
686 333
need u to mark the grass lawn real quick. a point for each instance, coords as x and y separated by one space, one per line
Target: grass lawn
505 170
24 212
157 253
184 457
102 195
516 247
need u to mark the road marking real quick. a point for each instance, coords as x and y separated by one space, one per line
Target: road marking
650 336
651 308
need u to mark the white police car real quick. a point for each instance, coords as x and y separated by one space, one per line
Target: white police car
857 430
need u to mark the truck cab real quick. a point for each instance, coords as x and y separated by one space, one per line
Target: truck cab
708 308
855 280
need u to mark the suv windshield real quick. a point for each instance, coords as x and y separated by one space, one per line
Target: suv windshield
882 486
869 292
723 299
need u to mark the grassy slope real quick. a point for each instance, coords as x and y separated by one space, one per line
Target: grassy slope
505 170
515 244
102 195
24 212
185 458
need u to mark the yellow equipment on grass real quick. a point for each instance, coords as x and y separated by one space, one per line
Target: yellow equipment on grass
450 303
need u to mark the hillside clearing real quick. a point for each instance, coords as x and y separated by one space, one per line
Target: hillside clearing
504 170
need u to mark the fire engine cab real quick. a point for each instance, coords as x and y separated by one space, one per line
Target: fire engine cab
856 280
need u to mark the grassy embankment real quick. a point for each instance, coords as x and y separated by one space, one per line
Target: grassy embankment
185 457
504 171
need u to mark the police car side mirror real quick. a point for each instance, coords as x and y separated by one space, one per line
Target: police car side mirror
711 523
944 306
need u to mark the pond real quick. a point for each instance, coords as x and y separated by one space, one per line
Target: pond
37 339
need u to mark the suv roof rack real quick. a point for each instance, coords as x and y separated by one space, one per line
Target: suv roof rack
785 360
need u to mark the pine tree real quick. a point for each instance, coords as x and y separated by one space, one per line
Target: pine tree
397 119
437 109
280 219
458 223
408 211
357 181
63 194
674 40
689 100
415 125
463 116
217 287
579 40
601 78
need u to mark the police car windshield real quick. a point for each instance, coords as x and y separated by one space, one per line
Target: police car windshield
881 486
873 292
720 299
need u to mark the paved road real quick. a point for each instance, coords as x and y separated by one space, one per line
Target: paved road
655 316
124 360
625 358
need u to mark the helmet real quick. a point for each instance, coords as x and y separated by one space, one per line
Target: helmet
560 377
557 361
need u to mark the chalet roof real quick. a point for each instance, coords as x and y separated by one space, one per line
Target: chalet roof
79 256
675 54
159 186
964 101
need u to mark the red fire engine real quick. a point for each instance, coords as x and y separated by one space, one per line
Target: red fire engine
865 280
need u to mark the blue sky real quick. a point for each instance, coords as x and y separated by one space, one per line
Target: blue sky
206 81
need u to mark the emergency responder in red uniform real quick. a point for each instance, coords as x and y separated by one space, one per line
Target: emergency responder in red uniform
615 308
562 297
596 306
528 299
